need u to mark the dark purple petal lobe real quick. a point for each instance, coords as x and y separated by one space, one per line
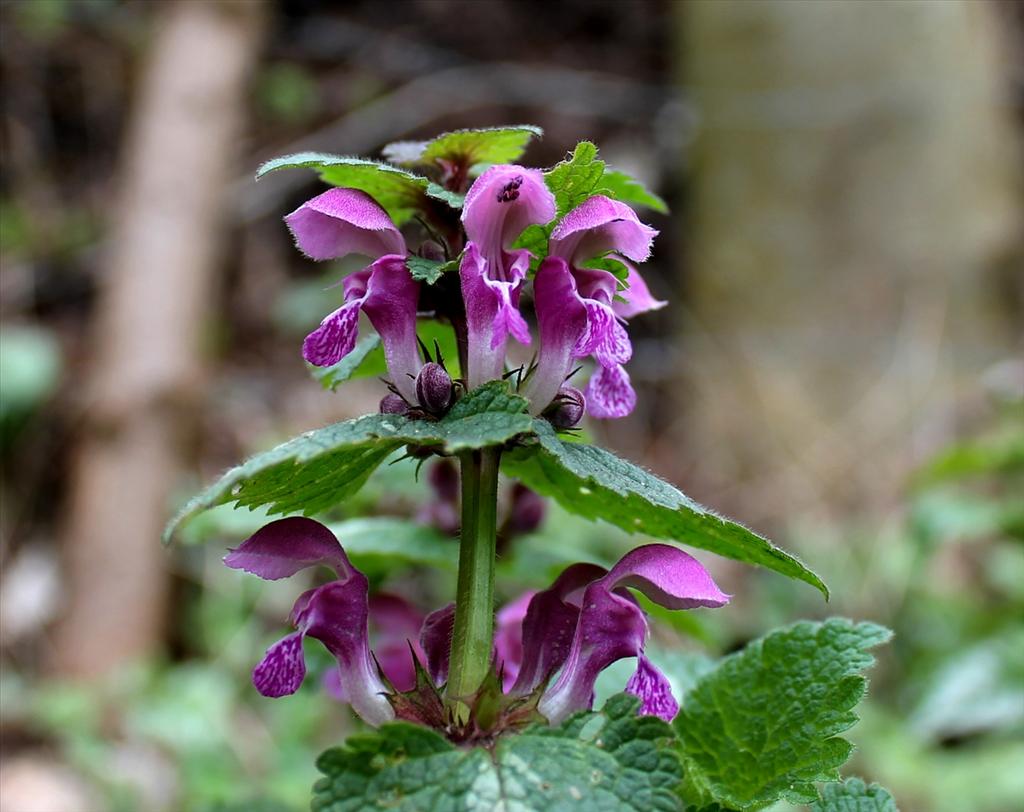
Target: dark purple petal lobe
654 691
436 640
282 548
282 669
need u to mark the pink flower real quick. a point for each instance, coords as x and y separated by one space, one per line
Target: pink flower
340 222
576 308
499 206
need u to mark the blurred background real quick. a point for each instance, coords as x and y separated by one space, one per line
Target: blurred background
840 366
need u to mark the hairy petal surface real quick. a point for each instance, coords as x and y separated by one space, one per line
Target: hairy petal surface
508 637
609 393
492 311
390 303
286 546
562 319
599 226
611 626
340 222
500 205
436 641
336 615
549 624
668 576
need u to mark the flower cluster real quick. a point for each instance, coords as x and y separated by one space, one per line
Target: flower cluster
580 307
551 644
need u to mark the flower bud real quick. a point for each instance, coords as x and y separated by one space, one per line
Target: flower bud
393 404
430 249
526 511
434 388
566 410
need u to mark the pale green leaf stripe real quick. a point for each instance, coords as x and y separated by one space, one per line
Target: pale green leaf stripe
379 543
610 761
594 483
853 795
764 724
352 364
321 468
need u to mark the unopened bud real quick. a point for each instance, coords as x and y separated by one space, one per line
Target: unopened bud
527 510
434 388
566 410
429 249
393 404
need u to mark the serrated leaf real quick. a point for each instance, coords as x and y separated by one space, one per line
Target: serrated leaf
594 483
853 795
438 192
620 186
575 179
487 145
364 360
609 761
492 145
321 468
572 181
399 192
764 724
428 270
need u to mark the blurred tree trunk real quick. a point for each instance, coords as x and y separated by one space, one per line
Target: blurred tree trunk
856 195
178 158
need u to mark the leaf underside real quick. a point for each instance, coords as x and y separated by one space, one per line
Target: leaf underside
402 194
321 468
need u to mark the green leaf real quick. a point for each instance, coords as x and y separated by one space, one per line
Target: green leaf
572 181
491 145
1002 453
615 267
595 484
377 545
763 725
620 186
853 795
575 179
401 193
609 761
321 468
363 361
429 270
488 145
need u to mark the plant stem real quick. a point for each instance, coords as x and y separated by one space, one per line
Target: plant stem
473 635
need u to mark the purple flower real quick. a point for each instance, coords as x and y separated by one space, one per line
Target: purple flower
499 206
340 222
571 631
576 308
587 620
394 626
508 638
336 614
